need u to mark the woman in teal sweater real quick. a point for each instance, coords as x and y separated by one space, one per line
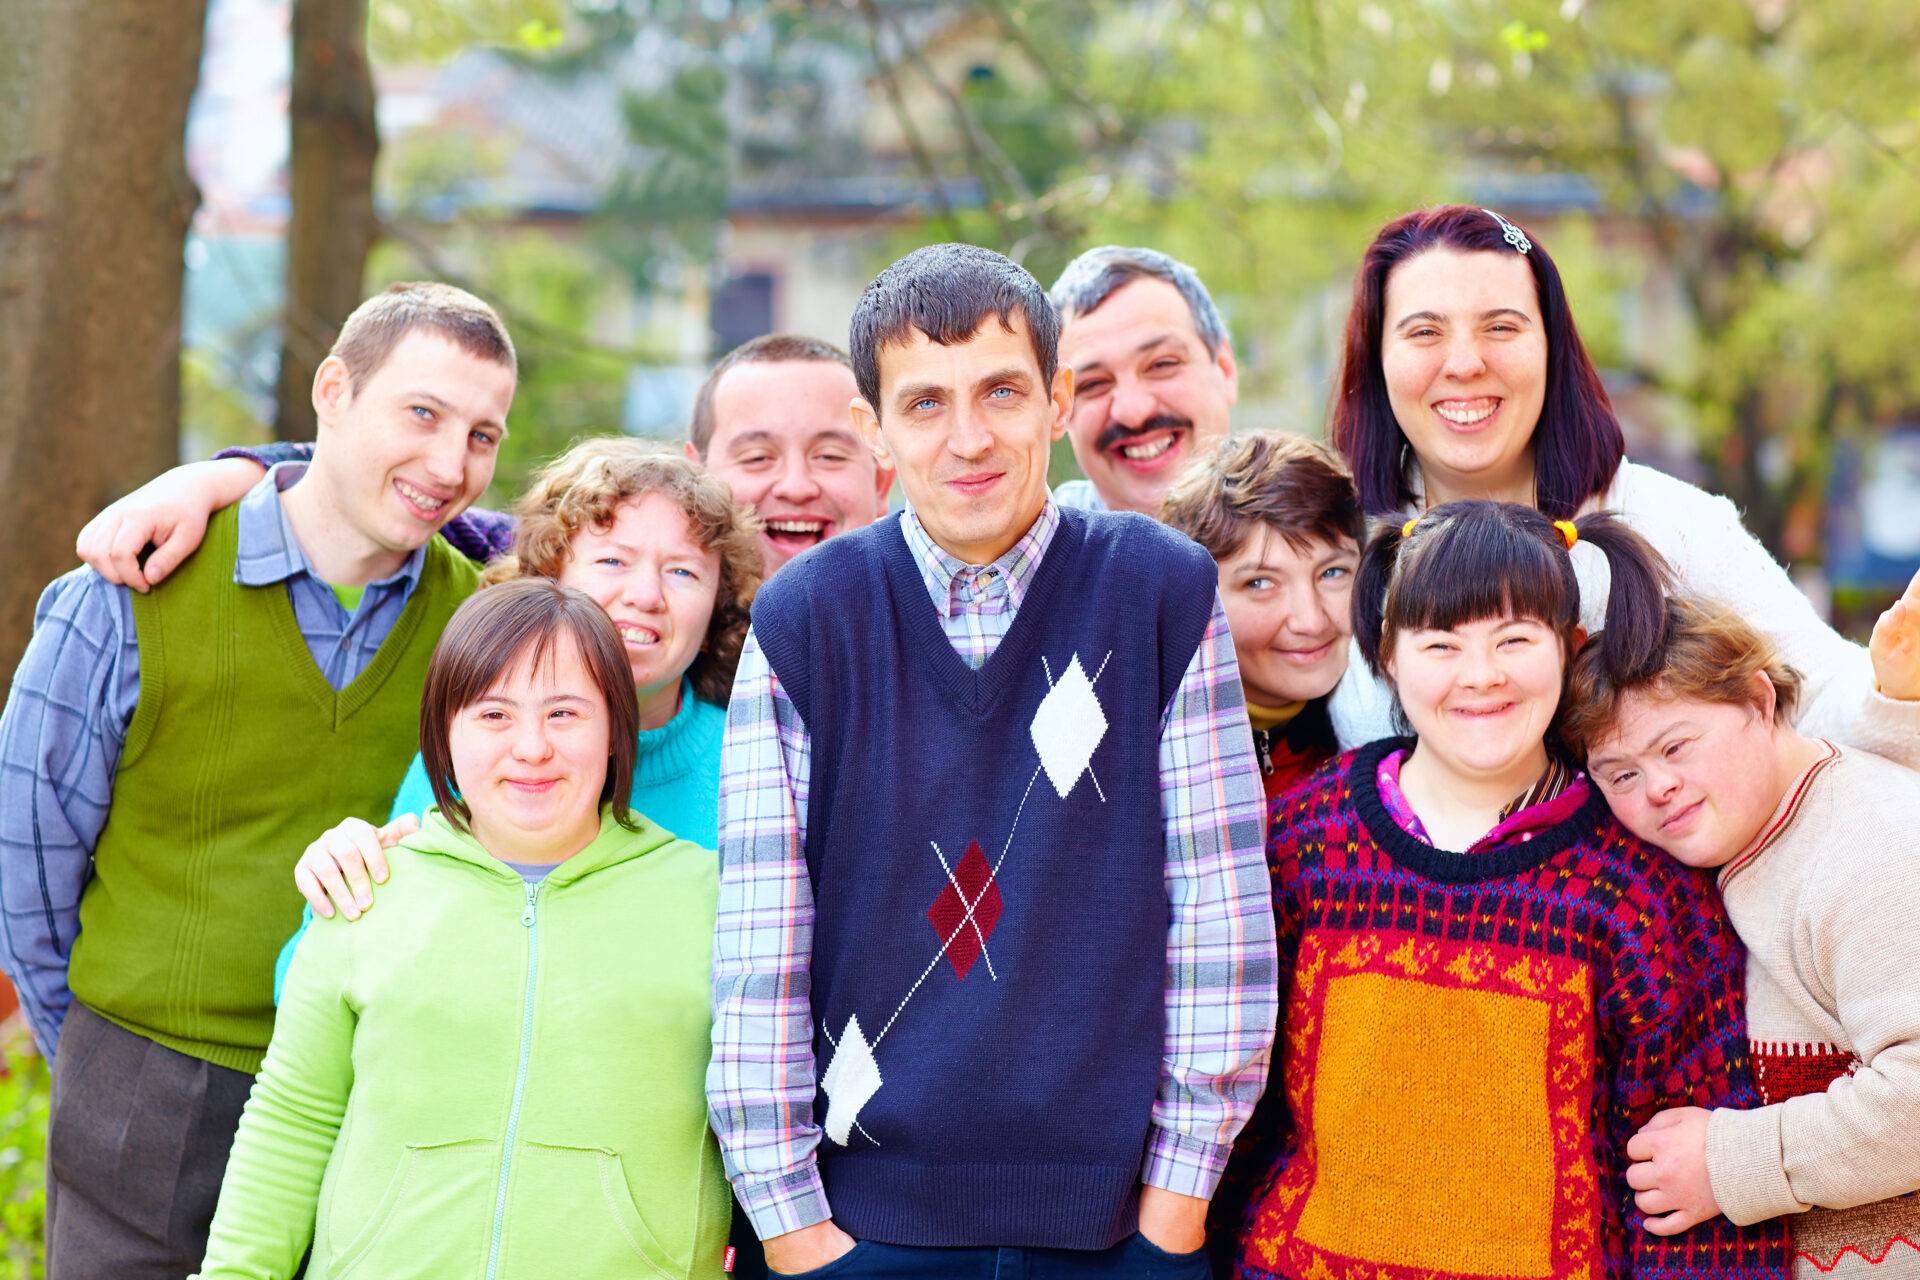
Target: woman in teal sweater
659 543
452 1087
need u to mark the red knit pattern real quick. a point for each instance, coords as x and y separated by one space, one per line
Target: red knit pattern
972 887
1642 979
1786 1070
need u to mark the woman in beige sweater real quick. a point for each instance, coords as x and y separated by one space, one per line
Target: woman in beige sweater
1814 851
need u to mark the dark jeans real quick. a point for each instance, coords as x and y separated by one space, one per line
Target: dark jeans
749 1259
136 1146
1132 1259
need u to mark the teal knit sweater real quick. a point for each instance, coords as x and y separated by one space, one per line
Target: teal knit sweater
676 784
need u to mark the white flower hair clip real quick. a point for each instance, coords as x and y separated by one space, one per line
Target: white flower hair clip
1510 233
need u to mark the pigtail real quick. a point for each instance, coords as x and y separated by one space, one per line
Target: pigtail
1370 589
1630 646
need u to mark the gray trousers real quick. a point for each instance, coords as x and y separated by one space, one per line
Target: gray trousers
137 1143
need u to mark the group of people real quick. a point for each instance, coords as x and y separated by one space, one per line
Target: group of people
1503 873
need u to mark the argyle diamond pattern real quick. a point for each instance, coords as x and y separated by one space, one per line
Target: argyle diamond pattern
972 886
1067 727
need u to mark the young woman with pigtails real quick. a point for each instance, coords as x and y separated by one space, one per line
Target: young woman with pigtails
1489 983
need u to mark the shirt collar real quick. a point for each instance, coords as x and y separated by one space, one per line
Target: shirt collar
954 584
270 551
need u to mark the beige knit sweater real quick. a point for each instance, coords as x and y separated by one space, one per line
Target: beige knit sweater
1828 902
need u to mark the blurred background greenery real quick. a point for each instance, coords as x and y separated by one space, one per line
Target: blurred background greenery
194 192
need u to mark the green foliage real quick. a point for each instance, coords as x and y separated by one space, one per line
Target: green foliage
430 30
23 1149
674 206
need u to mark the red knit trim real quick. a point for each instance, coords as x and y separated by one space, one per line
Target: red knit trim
1856 1252
1785 1069
1787 815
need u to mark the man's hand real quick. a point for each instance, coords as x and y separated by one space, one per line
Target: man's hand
1669 1173
1895 647
170 511
344 864
1172 1222
807 1248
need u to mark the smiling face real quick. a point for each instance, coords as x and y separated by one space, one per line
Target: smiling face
1692 777
530 758
1464 354
415 444
1147 396
658 584
785 445
1481 696
969 427
1290 613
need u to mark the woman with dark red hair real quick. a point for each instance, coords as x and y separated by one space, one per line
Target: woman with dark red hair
1464 377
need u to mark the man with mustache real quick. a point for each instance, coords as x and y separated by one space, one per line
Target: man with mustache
1154 375
992 975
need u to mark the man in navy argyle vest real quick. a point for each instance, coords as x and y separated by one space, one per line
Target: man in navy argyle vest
994 967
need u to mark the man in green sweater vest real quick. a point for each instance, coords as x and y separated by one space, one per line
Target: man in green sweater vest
147 828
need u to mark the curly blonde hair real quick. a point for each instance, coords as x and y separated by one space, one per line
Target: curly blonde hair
583 489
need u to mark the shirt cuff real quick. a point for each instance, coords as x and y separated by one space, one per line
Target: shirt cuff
1182 1164
1745 1168
786 1203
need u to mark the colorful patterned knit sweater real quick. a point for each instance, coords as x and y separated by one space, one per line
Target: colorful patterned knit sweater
1470 1041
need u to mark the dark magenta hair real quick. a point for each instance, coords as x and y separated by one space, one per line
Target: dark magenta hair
1577 444
1472 560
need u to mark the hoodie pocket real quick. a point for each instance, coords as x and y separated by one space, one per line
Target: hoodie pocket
432 1220
574 1213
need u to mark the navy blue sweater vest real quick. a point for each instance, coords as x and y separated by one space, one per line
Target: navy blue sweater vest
988 863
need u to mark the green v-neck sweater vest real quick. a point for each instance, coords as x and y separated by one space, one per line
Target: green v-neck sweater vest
239 754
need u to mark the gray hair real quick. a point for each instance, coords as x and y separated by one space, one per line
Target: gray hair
1091 279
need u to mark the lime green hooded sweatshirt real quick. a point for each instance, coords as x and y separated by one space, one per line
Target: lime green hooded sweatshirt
487 1078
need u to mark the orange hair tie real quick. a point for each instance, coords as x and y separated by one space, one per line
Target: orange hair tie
1567 531
1406 530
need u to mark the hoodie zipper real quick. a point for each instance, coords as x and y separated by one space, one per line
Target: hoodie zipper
528 918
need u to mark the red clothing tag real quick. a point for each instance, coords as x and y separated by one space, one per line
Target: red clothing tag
727 1266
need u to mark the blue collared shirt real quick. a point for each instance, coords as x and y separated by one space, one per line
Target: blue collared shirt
67 717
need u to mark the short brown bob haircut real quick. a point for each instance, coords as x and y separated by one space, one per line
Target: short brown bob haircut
377 325
583 489
1299 487
770 348
1707 653
488 637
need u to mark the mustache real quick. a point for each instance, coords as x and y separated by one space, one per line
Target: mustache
1115 432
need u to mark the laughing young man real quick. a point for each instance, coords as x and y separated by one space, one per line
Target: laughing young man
993 976
148 829
771 420
1154 378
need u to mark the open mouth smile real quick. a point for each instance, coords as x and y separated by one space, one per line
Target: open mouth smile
796 532
1467 413
425 505
636 635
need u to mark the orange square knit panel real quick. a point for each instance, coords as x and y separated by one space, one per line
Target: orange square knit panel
1445 1093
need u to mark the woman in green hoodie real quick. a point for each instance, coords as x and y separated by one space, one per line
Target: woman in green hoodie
455 1087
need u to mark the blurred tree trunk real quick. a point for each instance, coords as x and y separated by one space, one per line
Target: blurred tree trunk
94 206
335 142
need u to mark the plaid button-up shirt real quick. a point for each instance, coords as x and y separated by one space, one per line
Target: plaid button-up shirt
1222 1008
